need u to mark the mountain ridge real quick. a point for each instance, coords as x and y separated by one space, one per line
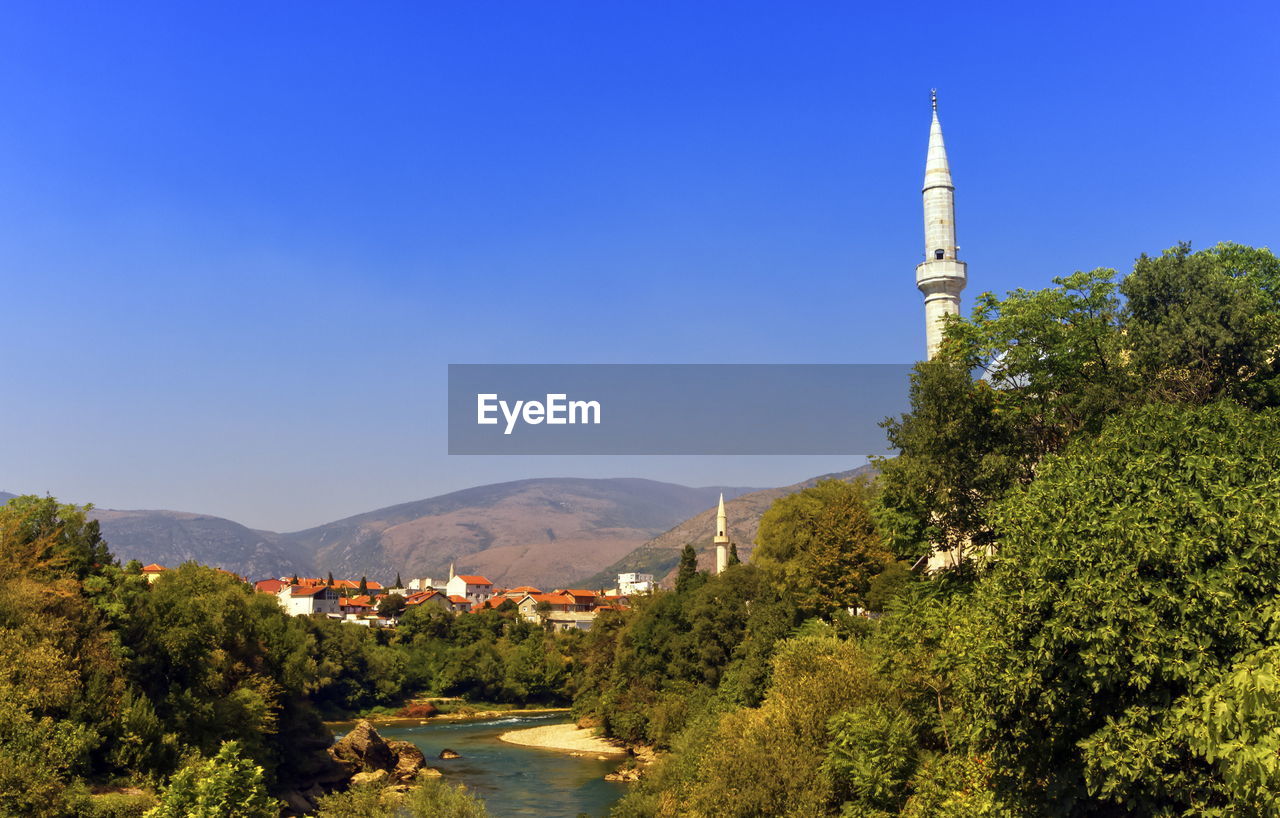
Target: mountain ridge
555 531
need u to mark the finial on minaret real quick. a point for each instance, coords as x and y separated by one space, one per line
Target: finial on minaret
933 92
721 539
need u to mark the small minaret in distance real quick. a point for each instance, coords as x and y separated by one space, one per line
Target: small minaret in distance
941 276
722 538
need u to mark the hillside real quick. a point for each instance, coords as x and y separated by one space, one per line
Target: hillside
660 555
538 532
549 532
173 537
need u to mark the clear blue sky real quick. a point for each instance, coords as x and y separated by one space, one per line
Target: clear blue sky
239 245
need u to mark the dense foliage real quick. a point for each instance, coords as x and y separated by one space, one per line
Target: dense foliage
1100 455
108 680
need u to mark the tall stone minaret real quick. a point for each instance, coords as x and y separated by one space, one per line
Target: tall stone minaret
941 276
722 538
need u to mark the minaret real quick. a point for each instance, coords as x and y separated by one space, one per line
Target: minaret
451 573
722 538
941 276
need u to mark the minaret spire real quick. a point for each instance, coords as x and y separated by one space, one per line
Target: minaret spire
942 275
721 539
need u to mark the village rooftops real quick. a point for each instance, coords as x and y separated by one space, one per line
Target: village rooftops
355 602
307 590
474 579
418 597
153 568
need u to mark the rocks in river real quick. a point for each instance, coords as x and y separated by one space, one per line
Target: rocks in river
624 773
364 752
409 761
447 753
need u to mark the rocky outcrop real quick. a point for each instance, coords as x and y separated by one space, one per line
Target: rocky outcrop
624 773
364 754
447 753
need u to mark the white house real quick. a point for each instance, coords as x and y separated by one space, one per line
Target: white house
470 587
629 584
303 600
427 584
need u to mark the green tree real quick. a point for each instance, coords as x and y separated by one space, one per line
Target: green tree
734 559
1130 575
225 786
44 538
823 544
399 584
1050 363
687 572
1204 325
391 606
364 586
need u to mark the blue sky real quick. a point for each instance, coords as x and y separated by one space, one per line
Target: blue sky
239 243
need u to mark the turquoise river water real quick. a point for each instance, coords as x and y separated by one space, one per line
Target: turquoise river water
515 780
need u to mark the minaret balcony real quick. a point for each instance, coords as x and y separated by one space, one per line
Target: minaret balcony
941 275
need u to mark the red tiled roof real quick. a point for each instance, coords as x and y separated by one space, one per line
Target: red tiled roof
473 579
355 602
525 589
152 568
306 590
554 599
459 599
270 586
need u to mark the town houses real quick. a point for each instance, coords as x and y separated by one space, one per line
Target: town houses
368 603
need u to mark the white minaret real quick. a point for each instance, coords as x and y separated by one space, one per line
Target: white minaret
941 276
722 538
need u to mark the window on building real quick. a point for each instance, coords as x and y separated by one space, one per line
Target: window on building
938 254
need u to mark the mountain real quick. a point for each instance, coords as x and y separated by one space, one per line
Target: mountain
543 532
173 537
660 555
536 532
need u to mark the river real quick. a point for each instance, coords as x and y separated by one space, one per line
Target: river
515 780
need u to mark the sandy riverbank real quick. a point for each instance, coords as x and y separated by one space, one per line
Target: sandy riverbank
393 720
567 737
